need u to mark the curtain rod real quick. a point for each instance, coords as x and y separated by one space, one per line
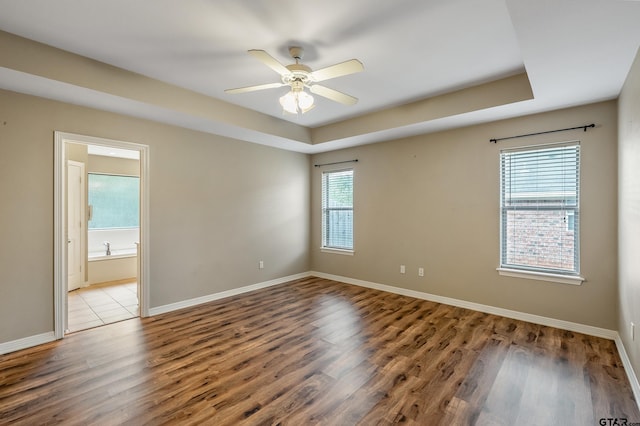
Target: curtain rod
543 133
337 162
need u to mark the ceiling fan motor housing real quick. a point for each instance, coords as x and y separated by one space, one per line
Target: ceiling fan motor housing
299 73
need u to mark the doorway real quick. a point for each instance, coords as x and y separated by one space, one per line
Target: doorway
109 245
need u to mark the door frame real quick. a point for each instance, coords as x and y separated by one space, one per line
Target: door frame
60 215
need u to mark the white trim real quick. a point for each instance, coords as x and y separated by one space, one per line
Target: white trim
538 147
59 215
59 240
345 252
536 319
228 293
541 276
628 368
39 339
26 342
144 244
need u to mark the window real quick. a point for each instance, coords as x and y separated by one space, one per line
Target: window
337 210
114 201
539 197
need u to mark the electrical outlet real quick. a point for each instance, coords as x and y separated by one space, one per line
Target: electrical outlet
261 265
402 269
633 331
421 272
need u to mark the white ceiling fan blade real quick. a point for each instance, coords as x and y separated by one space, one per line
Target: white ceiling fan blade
334 95
344 68
254 88
269 61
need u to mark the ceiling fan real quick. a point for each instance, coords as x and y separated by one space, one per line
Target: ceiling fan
298 76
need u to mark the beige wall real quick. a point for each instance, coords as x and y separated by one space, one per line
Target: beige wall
432 201
77 152
217 207
629 212
112 165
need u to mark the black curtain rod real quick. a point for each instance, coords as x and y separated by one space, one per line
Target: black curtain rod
543 133
337 162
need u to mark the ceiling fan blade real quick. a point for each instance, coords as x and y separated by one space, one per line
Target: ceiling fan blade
269 61
254 88
344 68
334 95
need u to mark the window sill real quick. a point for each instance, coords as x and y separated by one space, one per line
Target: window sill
541 276
337 251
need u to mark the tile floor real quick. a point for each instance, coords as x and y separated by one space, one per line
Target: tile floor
101 304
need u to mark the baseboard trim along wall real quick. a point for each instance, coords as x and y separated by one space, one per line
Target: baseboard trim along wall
39 339
26 342
215 296
536 319
626 362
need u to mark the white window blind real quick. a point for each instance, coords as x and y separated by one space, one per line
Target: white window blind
337 209
540 200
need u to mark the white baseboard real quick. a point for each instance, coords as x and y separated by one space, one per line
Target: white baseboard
536 319
215 296
628 368
26 342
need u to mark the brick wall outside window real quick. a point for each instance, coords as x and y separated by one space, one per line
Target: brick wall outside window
540 239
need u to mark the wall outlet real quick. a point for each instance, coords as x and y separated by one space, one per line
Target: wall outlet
261 265
633 331
402 269
421 272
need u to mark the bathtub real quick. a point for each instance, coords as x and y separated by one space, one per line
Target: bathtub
121 263
115 254
122 241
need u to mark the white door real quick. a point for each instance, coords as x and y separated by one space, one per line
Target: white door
75 224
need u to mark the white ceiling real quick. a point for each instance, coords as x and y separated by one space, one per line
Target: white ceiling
573 51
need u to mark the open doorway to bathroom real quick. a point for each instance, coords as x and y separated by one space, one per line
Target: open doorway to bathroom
100 216
102 280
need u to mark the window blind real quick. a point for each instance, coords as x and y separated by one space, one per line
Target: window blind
540 199
337 209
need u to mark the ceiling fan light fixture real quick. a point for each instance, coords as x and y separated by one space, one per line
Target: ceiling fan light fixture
299 76
296 102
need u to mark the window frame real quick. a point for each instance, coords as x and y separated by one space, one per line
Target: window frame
324 217
560 275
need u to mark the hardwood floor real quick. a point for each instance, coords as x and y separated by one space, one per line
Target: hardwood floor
315 351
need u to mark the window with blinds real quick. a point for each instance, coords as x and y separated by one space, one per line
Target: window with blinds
540 202
337 209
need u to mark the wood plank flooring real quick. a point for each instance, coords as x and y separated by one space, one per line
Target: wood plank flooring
315 351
